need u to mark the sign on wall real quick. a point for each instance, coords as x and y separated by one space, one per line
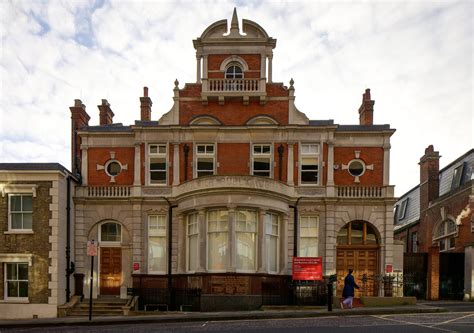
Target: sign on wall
92 248
307 268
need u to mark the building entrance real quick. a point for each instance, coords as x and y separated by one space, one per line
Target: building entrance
110 270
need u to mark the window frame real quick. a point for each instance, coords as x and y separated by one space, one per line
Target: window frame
262 155
414 242
226 231
110 243
300 233
164 236
309 154
255 233
188 236
403 208
157 155
446 237
204 155
5 282
234 64
267 261
458 175
22 212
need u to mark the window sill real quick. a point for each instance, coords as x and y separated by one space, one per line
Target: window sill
22 232
15 301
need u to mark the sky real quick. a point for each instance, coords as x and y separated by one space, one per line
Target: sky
415 56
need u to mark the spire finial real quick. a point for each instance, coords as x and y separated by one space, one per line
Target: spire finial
234 25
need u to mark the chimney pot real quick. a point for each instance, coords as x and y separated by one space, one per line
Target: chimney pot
366 110
145 91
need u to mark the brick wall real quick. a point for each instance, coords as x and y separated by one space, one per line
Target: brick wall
233 112
233 158
36 243
100 156
370 155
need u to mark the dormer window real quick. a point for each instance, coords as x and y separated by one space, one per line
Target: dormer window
234 71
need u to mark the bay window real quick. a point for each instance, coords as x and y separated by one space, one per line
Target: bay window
192 232
157 244
272 241
217 240
246 232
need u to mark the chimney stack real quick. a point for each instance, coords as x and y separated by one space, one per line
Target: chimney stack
79 119
145 106
366 110
105 113
429 177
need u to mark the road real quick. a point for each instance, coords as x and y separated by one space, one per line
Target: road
438 322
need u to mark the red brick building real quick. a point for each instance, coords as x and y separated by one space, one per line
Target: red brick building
223 190
436 218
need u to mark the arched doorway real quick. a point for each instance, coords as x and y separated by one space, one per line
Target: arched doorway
110 270
358 248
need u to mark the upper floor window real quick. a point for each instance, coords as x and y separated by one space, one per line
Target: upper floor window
261 160
157 154
205 159
309 163
414 242
16 280
445 235
458 176
157 243
308 236
110 232
234 71
20 211
403 209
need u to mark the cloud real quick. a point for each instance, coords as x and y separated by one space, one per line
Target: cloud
416 57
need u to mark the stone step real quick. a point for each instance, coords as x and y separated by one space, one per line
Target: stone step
85 312
105 306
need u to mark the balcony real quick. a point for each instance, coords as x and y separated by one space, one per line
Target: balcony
364 192
222 88
104 191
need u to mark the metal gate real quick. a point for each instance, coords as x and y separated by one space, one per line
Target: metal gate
415 266
451 276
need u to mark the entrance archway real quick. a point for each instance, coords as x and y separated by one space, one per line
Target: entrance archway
110 270
358 248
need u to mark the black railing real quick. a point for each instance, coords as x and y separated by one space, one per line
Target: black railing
294 293
151 299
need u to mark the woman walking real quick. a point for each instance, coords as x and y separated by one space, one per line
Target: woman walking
348 291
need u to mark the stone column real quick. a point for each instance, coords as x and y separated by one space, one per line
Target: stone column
181 250
137 166
386 164
290 164
204 67
202 226
433 273
330 240
263 66
198 68
330 165
175 164
232 240
84 166
261 251
270 76
284 245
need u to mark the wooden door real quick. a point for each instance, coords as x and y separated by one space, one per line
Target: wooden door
363 261
110 270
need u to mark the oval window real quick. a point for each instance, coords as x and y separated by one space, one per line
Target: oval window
113 168
356 168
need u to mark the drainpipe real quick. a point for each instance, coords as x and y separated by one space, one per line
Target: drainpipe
170 234
280 162
186 152
295 227
70 267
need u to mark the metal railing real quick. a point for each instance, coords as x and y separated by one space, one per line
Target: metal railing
233 85
165 299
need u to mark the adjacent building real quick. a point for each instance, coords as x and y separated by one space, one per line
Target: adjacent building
223 190
435 218
34 220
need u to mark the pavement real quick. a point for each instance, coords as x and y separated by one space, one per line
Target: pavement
274 312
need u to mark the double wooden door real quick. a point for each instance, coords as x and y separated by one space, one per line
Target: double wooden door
363 260
110 270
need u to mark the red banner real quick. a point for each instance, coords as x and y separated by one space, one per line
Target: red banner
307 268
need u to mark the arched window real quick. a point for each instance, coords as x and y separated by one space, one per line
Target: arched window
110 232
357 233
234 71
445 235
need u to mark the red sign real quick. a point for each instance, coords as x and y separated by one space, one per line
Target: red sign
136 266
388 268
307 268
92 248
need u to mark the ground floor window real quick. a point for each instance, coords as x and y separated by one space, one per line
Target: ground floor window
445 234
272 240
192 241
308 244
246 237
16 280
217 240
157 244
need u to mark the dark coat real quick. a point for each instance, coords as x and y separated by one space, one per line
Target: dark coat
349 285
